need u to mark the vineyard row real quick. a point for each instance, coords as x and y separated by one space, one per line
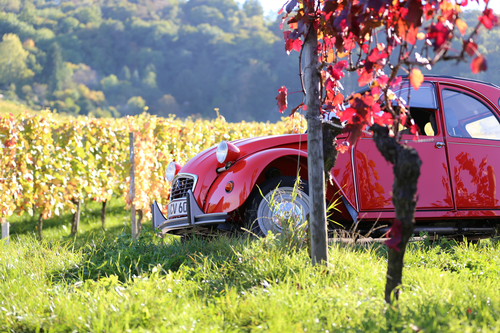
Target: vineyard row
50 166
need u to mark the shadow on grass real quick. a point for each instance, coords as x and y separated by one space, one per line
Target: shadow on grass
123 257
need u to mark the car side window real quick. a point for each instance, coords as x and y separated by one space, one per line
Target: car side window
424 97
423 105
468 117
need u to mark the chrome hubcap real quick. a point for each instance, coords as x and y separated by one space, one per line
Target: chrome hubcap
287 211
279 210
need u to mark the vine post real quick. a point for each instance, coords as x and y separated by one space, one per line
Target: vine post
133 222
5 232
76 218
315 165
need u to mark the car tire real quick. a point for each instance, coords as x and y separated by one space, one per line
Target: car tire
272 200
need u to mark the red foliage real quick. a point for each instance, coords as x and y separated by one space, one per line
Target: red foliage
489 19
282 98
440 34
470 48
361 35
478 64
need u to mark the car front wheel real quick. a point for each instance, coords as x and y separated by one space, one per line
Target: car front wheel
276 205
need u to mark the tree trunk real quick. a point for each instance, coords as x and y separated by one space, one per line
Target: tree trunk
76 219
406 172
312 77
103 214
139 222
40 226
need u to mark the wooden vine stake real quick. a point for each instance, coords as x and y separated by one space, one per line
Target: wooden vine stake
133 221
5 231
317 222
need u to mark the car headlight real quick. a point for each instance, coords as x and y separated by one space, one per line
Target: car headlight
227 152
172 169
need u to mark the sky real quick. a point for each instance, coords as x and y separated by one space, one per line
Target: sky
271 6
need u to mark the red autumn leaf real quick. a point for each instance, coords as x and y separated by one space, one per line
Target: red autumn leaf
402 119
411 35
336 72
439 33
347 115
416 78
297 45
376 55
396 232
282 99
461 25
384 120
428 11
339 98
470 48
376 92
349 44
395 82
365 78
330 85
488 19
382 80
342 147
414 128
478 64
289 46
341 65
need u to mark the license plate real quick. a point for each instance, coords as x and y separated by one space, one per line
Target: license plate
177 208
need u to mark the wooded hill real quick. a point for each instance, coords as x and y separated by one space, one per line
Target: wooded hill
118 57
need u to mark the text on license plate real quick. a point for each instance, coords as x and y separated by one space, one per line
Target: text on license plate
177 208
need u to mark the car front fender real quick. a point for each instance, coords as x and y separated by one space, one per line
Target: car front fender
244 174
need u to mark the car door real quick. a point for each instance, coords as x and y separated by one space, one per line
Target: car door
473 145
374 175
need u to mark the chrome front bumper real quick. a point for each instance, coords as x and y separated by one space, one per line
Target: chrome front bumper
195 217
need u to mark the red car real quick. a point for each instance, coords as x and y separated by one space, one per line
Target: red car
459 143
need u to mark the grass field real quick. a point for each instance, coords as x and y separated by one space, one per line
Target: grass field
103 282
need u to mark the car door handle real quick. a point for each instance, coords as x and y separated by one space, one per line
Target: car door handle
439 144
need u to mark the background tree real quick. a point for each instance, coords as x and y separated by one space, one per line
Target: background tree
13 59
205 54
378 40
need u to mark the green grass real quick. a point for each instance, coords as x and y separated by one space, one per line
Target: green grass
104 282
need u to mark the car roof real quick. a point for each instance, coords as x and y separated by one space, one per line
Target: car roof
434 78
437 78
488 90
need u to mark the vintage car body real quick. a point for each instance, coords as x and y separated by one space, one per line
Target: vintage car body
457 193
